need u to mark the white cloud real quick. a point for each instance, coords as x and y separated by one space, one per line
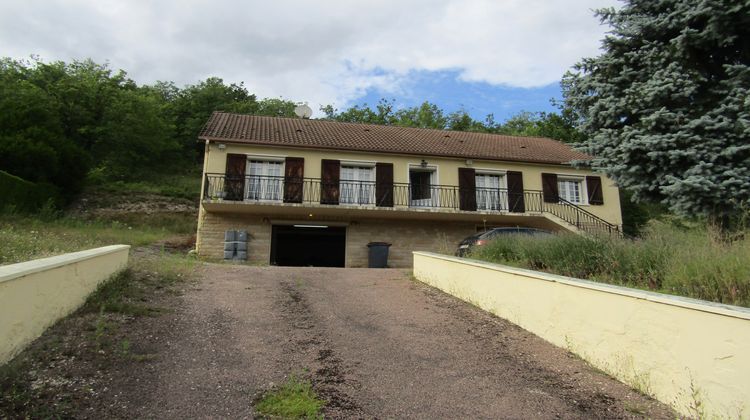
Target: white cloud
322 52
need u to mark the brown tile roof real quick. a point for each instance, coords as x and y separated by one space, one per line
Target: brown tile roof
319 134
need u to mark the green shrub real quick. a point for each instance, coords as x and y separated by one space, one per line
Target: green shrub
19 195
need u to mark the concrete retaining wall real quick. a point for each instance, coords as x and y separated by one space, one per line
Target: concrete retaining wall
35 294
691 354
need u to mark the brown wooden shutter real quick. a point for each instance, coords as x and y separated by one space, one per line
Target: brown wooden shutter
330 171
549 188
594 187
234 185
294 175
467 189
516 202
384 184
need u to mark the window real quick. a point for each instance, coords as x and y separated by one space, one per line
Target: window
264 180
357 185
490 190
420 185
422 189
570 189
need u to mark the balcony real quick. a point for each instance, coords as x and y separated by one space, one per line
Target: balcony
367 195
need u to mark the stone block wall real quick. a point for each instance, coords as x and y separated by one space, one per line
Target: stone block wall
405 235
210 242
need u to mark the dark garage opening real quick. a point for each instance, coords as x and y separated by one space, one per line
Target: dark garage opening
308 245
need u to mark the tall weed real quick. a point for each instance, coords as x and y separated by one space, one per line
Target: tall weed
672 258
713 270
24 238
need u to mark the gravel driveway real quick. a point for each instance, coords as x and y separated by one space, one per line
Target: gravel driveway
374 343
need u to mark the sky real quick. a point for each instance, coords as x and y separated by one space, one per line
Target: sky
484 56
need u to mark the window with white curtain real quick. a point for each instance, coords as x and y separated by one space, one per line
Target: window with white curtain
357 184
490 190
570 189
264 180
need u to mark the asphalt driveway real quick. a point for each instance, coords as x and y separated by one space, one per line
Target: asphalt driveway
375 343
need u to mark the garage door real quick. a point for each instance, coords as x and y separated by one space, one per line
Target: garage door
308 245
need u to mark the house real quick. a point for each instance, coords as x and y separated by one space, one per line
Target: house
310 192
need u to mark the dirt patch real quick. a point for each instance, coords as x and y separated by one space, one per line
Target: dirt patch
107 204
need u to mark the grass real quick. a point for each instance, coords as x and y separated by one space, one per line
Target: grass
129 292
294 399
25 238
126 291
681 260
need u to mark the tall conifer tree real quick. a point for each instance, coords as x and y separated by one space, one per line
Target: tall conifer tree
666 107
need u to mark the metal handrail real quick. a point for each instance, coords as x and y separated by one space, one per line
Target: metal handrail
320 180
218 186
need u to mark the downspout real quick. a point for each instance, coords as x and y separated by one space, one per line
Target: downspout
200 203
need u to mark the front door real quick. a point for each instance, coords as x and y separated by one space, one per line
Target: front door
422 189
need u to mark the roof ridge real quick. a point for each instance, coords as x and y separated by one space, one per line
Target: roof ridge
512 136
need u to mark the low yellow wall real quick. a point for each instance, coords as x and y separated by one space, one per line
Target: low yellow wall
35 294
685 352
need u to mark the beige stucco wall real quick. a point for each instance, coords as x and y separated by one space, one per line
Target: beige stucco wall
682 351
447 169
35 294
405 235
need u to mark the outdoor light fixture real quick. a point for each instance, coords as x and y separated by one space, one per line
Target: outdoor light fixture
469 162
222 146
311 226
423 163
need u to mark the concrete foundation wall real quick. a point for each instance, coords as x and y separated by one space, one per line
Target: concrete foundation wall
35 294
691 354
